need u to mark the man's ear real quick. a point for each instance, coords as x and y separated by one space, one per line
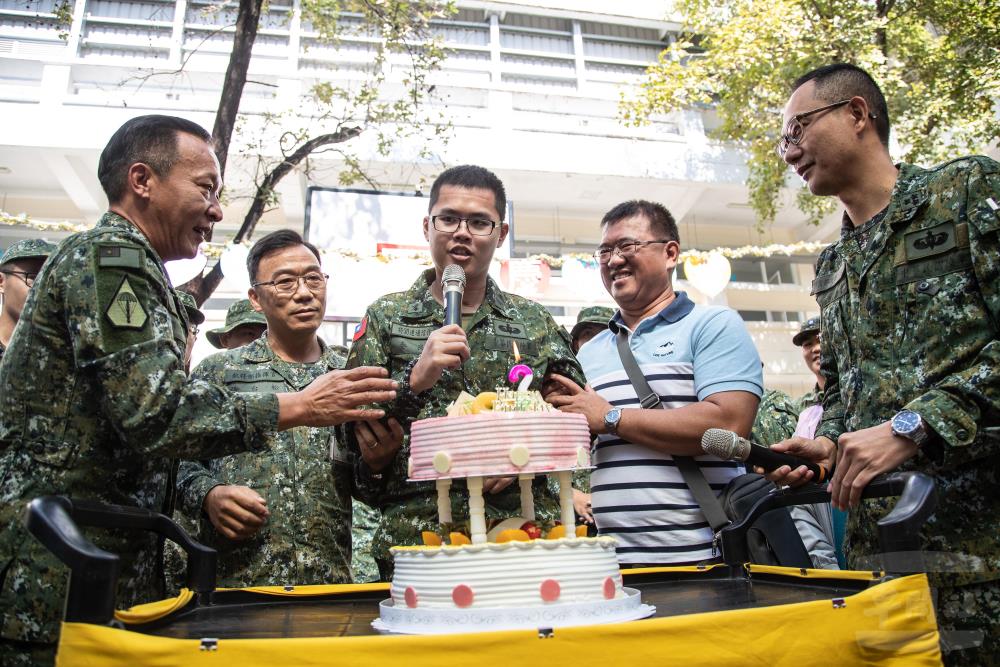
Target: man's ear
3 282
252 295
139 178
504 230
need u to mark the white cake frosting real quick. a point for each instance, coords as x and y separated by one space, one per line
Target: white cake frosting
498 443
511 574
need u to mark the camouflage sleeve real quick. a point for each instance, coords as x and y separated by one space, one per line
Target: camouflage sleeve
957 406
126 336
557 348
832 422
195 478
777 416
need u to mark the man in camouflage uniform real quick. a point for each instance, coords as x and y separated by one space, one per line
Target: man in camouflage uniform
19 266
910 311
809 341
282 517
243 325
195 319
589 322
94 400
403 332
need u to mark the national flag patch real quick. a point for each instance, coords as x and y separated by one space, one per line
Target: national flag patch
359 330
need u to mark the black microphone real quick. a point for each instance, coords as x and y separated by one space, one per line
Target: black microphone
453 285
730 447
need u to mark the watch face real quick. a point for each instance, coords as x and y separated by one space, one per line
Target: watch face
612 417
906 422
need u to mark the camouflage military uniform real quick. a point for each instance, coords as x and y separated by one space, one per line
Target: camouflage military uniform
910 310
307 537
776 417
94 402
809 399
364 521
392 334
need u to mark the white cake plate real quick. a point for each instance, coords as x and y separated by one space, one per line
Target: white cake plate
403 620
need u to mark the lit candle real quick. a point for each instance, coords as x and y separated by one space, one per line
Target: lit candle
520 373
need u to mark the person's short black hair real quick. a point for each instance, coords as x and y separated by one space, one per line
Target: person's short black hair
283 238
841 81
660 220
471 176
151 140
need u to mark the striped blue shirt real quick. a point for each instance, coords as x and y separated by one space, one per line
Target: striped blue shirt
687 353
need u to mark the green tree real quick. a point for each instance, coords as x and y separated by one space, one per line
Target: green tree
399 36
937 61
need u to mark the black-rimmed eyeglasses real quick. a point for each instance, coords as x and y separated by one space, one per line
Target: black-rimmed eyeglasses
625 249
314 282
26 276
476 226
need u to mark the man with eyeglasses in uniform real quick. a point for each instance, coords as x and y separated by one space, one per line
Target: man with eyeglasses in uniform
19 267
403 332
698 360
281 517
910 312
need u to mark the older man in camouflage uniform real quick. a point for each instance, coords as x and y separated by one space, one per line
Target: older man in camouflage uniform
19 266
403 332
282 517
910 308
94 400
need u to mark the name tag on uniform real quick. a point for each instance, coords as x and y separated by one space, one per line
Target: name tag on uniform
408 340
410 331
262 380
929 242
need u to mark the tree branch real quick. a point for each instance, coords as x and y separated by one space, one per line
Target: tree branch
247 22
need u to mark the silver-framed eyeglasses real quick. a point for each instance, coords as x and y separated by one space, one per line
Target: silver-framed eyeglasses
794 129
624 249
449 224
314 282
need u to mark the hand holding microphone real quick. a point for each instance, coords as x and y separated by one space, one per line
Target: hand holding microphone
730 447
448 346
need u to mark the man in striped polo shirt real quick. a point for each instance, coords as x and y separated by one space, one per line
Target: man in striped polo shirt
701 362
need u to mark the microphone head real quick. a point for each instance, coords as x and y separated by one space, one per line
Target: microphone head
720 443
453 273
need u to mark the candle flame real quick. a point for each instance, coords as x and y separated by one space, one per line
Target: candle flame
517 355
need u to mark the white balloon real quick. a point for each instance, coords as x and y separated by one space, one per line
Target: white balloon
709 276
234 267
183 270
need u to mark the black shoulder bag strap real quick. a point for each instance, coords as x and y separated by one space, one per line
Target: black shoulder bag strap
693 477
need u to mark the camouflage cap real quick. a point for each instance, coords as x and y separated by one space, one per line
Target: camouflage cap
240 313
809 328
592 315
195 315
27 249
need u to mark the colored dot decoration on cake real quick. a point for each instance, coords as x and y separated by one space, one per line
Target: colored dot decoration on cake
462 596
519 455
411 597
549 590
609 588
442 462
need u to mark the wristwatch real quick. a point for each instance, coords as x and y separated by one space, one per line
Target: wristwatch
611 419
910 425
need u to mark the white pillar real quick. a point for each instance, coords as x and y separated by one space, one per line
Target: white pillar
477 510
444 500
565 479
527 499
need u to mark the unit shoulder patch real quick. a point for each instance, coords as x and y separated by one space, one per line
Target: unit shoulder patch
125 310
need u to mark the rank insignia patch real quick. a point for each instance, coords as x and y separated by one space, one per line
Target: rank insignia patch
125 310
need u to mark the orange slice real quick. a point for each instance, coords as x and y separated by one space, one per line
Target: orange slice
431 539
581 531
556 533
484 402
455 539
513 535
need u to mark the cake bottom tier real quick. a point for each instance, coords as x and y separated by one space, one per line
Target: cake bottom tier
400 619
